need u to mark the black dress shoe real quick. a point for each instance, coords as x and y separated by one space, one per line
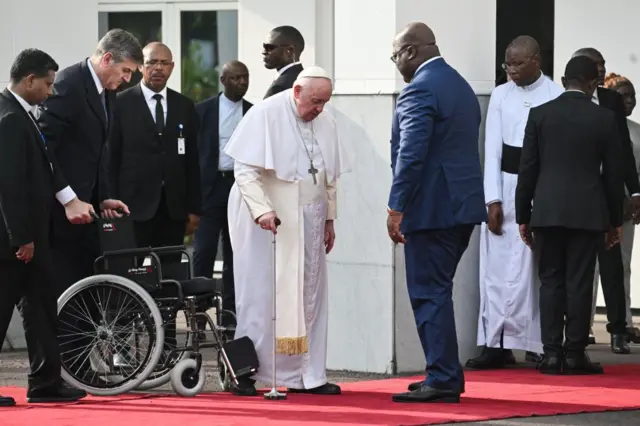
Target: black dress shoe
245 387
326 389
592 339
550 364
619 344
59 393
417 385
7 401
491 358
580 364
428 394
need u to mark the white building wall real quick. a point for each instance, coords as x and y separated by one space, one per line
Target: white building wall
371 323
34 23
578 23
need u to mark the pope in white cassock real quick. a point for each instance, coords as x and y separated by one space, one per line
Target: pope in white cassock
509 287
288 159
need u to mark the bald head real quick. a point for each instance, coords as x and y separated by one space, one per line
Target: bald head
156 48
235 79
234 67
522 60
590 53
417 33
596 57
527 44
413 46
157 66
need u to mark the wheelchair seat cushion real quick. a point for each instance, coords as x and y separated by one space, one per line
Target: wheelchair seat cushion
199 286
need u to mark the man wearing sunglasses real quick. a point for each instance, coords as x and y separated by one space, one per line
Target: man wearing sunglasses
282 52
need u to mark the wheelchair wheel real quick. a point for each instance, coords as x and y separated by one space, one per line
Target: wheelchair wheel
111 335
186 379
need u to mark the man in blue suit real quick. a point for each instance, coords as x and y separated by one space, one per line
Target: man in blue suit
436 199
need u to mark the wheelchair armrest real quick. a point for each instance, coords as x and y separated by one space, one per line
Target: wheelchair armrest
178 287
143 251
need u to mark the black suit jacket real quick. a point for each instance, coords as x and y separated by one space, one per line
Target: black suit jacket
140 160
29 179
75 126
213 193
284 81
612 100
567 141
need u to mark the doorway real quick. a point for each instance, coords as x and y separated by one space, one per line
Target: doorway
533 18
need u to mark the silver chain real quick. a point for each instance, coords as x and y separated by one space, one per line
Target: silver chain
309 155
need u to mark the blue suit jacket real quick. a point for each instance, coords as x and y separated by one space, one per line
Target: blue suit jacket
437 176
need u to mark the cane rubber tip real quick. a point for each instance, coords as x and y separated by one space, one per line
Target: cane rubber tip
275 396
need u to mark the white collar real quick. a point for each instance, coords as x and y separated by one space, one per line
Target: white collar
595 95
286 67
533 86
424 64
226 100
149 94
27 107
96 80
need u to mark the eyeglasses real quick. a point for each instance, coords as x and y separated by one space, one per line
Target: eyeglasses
516 65
153 63
394 57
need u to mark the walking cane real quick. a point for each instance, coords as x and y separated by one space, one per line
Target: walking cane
273 394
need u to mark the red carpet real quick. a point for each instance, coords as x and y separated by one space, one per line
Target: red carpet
490 395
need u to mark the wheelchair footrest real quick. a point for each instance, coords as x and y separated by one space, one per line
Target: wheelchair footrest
241 357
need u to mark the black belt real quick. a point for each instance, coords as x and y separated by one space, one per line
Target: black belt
226 174
510 159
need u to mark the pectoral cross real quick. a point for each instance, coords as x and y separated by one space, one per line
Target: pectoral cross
312 171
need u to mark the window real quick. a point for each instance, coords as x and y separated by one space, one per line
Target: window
208 39
145 26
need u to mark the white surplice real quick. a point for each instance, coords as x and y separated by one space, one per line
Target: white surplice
509 285
274 175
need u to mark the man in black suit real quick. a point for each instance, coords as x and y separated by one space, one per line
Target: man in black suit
219 117
76 121
29 181
576 199
153 154
282 52
610 261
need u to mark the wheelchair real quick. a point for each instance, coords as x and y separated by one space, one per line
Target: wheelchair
118 328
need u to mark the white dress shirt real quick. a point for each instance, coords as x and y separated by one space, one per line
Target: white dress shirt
151 103
66 194
230 114
96 80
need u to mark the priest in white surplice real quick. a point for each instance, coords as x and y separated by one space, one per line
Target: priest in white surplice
509 287
288 159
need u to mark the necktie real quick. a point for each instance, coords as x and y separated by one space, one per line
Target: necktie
159 114
103 98
37 127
